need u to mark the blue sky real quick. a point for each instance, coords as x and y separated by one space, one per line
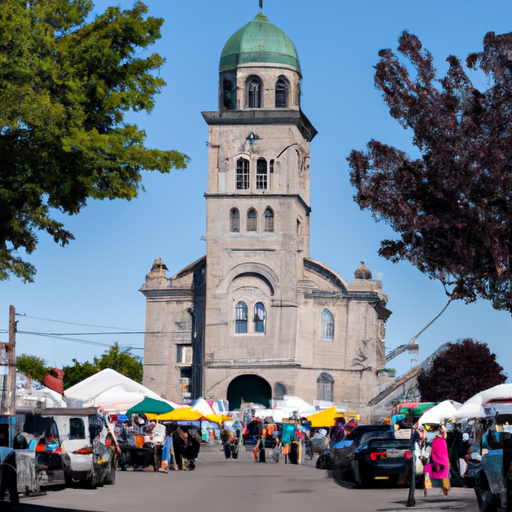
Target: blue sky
94 281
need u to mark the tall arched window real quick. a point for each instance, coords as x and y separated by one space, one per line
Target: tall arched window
234 219
281 93
228 93
325 387
241 318
261 174
254 93
269 220
242 174
327 325
252 220
259 317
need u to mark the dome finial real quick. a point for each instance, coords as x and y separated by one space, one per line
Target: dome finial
261 5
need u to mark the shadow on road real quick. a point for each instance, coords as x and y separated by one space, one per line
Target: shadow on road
24 507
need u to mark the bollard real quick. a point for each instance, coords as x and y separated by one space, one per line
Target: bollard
411 502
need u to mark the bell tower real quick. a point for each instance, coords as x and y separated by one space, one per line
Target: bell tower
258 206
256 319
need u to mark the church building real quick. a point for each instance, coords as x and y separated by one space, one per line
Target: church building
256 318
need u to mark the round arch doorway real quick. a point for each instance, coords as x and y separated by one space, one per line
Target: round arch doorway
250 388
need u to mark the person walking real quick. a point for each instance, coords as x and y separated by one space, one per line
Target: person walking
225 438
437 471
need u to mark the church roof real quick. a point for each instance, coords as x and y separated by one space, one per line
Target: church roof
259 42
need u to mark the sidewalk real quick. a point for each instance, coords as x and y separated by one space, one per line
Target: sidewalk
457 499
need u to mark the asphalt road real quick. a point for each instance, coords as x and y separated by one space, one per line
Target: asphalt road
239 486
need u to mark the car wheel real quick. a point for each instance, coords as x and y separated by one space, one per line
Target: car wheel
68 480
110 478
91 483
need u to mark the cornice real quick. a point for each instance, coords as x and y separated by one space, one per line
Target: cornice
168 293
238 196
263 116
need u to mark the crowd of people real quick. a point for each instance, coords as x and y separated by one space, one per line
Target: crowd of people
291 439
169 446
164 446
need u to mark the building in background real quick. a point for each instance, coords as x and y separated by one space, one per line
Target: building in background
256 318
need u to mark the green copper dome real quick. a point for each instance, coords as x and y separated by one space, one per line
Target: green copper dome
259 42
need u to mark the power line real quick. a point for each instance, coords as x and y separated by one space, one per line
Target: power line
75 340
83 333
95 333
72 323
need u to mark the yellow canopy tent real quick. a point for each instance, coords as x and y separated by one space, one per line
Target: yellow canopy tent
191 413
183 414
323 418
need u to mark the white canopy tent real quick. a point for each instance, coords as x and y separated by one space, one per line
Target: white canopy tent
480 405
440 412
111 391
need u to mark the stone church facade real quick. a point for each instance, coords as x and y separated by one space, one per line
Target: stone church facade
256 318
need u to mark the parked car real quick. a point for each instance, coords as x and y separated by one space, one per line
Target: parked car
338 459
382 460
82 439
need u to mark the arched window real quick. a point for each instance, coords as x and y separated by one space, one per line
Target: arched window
234 218
228 93
269 220
254 93
259 318
241 318
242 174
325 387
252 220
327 326
261 174
281 93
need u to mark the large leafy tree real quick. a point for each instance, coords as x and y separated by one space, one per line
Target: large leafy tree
66 83
451 206
459 372
114 358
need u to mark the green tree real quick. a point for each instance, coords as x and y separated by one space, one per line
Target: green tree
66 83
122 362
34 367
78 372
461 371
114 358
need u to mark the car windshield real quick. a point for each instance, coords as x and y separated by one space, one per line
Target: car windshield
364 429
386 434
383 444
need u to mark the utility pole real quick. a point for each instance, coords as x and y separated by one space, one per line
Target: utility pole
11 361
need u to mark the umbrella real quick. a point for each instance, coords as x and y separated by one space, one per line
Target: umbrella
150 405
438 413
